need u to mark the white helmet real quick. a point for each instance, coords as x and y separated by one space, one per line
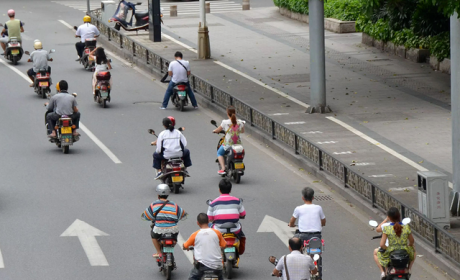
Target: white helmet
38 45
162 189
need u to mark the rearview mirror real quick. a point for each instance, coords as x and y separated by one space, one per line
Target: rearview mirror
241 200
27 52
316 257
373 223
406 221
151 131
74 27
74 94
181 129
272 259
139 3
213 122
208 202
110 60
52 51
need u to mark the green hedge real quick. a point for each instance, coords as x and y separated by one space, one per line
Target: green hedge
338 9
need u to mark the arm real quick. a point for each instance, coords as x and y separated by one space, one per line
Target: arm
382 241
314 271
323 222
222 242
279 267
159 140
170 73
242 211
411 240
292 222
78 32
109 66
148 214
22 29
96 32
217 130
183 139
210 214
50 104
323 218
379 228
190 241
3 31
188 73
75 109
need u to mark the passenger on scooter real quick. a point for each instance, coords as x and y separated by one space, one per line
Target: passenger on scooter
228 209
297 266
208 244
164 215
171 143
311 221
85 31
102 65
40 58
62 103
399 238
233 128
179 70
12 28
379 229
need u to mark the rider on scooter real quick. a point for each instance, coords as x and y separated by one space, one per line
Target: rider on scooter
228 209
171 144
12 28
85 31
40 58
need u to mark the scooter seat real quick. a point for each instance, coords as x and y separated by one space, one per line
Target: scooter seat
228 225
141 15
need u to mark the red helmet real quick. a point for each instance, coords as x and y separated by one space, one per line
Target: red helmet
173 120
11 13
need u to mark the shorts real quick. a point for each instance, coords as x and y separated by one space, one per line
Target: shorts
31 72
221 151
155 235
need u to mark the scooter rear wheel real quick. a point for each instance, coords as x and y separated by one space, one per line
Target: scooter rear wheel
15 60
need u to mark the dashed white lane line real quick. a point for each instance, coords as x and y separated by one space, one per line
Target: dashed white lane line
82 126
381 146
66 24
290 123
342 153
381 176
2 264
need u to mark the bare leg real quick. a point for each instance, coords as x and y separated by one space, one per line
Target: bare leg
3 46
376 259
412 262
157 245
94 83
221 162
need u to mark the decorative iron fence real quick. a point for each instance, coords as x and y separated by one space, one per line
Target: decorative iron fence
439 238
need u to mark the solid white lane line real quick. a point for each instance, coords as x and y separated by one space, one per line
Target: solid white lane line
2 264
100 144
188 254
180 43
66 24
82 126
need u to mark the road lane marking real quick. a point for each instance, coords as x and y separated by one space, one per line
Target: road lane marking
342 153
66 24
312 132
290 123
381 176
82 126
188 254
280 228
2 264
328 142
364 163
408 189
279 114
87 236
180 43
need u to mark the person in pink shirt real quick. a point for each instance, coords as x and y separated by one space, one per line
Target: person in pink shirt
228 209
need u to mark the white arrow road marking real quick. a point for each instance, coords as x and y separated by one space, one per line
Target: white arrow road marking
87 236
82 126
2 264
280 228
188 254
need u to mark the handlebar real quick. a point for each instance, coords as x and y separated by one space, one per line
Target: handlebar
377 237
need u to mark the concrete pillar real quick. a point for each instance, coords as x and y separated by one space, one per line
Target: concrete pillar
204 48
246 5
173 11
317 58
88 7
208 8
455 107
154 20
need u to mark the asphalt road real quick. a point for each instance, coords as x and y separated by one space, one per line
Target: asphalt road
44 191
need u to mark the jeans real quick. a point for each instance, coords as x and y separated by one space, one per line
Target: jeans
80 48
307 236
169 92
157 158
52 118
199 269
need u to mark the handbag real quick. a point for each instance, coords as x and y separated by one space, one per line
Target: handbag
285 267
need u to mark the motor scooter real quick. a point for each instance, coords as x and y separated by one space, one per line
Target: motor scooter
208 275
398 267
125 21
42 80
14 49
85 59
275 261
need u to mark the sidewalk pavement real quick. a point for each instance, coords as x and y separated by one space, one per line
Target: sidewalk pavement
390 117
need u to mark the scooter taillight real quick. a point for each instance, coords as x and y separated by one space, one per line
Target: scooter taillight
181 87
87 51
168 242
399 271
65 123
238 155
176 169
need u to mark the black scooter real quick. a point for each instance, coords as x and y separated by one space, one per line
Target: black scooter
123 20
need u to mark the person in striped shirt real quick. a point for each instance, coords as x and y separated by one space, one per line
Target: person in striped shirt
228 209
165 216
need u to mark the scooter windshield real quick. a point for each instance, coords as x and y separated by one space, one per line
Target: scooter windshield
121 13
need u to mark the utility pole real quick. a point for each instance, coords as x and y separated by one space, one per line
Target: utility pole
317 58
455 108
154 20
88 7
204 48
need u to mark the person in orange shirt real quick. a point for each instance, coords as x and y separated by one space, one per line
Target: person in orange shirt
208 244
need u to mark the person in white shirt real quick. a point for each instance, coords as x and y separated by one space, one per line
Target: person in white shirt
179 70
85 31
311 220
297 265
208 243
171 143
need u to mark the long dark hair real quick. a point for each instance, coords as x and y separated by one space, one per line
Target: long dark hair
395 217
101 58
167 123
231 113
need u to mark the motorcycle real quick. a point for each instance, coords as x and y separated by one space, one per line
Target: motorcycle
64 137
123 20
173 170
398 267
42 81
102 88
275 261
234 166
179 97
231 256
208 275
166 262
13 50
315 248
88 62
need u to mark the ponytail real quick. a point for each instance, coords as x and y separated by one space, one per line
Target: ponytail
231 113
398 229
395 217
167 123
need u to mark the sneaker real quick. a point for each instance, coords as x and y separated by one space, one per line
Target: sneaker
221 172
162 108
195 107
159 174
186 173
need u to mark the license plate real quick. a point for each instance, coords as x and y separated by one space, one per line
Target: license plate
104 93
230 250
181 93
14 51
177 179
168 249
43 84
239 165
66 130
